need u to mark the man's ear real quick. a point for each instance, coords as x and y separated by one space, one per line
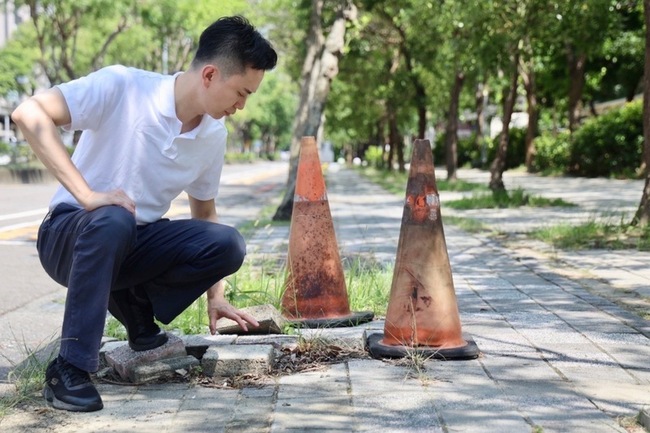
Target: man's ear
210 73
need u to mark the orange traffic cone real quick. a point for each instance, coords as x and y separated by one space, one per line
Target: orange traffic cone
315 293
422 312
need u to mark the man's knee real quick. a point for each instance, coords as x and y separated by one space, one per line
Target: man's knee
237 250
231 246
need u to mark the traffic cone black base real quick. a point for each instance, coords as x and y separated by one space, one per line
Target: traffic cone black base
353 319
379 350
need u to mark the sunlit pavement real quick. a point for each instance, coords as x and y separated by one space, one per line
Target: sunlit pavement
557 356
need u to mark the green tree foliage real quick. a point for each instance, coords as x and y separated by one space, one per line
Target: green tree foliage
617 70
398 67
167 32
553 153
269 114
74 35
368 79
609 145
17 60
66 39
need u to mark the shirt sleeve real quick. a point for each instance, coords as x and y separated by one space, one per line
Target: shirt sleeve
90 97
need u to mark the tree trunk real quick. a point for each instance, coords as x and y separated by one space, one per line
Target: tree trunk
577 63
391 115
499 163
451 137
268 145
481 103
528 76
318 70
420 98
396 141
401 166
381 140
642 217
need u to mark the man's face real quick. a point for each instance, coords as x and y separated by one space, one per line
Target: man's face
226 95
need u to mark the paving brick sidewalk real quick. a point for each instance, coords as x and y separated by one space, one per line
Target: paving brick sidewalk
556 357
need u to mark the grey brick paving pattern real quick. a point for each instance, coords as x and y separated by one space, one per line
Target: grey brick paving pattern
554 355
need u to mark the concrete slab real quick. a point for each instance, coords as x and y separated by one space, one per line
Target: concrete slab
234 360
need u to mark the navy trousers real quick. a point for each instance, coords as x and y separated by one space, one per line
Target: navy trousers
93 253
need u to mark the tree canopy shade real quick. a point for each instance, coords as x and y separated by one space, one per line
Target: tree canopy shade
363 73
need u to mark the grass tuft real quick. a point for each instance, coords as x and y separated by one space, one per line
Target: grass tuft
595 234
504 199
28 377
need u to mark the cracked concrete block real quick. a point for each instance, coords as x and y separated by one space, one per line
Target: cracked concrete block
124 360
163 369
196 345
277 341
229 361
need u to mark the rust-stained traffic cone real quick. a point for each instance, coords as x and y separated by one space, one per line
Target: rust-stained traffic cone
315 293
422 311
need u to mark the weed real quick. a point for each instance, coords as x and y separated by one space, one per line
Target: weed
313 353
368 286
415 362
28 376
114 329
257 284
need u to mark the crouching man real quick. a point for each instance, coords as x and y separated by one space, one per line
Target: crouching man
146 138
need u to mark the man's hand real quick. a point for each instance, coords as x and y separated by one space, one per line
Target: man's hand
117 197
218 307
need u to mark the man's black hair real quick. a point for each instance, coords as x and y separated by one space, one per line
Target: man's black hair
234 44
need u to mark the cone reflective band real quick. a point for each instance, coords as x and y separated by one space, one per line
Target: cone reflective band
315 292
422 311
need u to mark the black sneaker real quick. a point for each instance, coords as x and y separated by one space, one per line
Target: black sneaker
133 309
70 388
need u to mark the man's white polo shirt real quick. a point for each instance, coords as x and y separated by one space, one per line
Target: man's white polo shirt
131 140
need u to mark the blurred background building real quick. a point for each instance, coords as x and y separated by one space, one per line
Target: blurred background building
10 18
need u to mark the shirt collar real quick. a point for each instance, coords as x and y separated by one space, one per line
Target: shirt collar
167 99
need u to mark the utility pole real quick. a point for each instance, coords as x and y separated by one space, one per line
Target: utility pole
6 23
